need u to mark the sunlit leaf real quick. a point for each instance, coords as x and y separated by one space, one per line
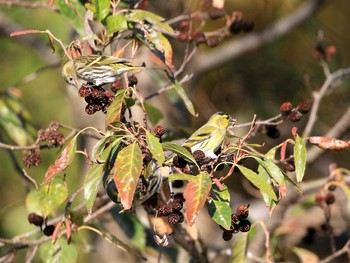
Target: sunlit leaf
258 181
127 169
186 177
306 256
220 212
239 249
46 199
155 147
196 193
179 150
102 8
299 158
153 113
92 181
116 23
62 162
114 110
181 92
157 43
219 206
138 15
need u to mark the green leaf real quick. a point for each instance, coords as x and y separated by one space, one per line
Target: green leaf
181 92
299 158
92 181
196 193
155 147
239 249
62 162
75 12
179 150
258 181
46 199
127 170
102 8
220 212
114 110
270 203
157 43
58 251
306 256
138 16
131 226
185 177
11 121
219 206
153 113
272 169
116 23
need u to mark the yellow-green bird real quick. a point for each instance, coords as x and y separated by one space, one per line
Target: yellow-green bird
95 69
211 135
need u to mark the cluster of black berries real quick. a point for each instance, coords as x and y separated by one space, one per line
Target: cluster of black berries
97 98
38 220
172 210
239 25
52 135
239 222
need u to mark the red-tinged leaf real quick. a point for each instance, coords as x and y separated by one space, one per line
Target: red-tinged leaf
62 162
196 193
283 150
92 181
294 131
127 169
299 158
155 147
328 143
114 110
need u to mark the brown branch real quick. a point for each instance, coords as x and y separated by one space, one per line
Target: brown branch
233 48
345 249
318 96
29 4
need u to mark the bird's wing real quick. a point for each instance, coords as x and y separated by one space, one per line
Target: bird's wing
203 133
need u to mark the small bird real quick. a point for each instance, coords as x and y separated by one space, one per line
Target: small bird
211 135
95 69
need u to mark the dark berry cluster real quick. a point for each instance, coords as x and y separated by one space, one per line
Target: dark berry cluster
159 131
294 114
38 220
97 98
239 25
324 53
172 210
325 199
239 223
52 135
31 158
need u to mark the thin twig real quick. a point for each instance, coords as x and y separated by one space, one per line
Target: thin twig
345 249
29 4
318 96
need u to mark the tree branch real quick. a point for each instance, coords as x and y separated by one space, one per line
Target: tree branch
233 48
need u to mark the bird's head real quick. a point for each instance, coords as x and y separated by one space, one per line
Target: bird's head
69 74
222 119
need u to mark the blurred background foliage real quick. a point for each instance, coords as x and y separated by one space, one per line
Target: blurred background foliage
256 82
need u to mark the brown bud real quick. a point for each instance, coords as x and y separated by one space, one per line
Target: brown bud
35 219
216 13
159 130
213 41
295 116
303 107
286 108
